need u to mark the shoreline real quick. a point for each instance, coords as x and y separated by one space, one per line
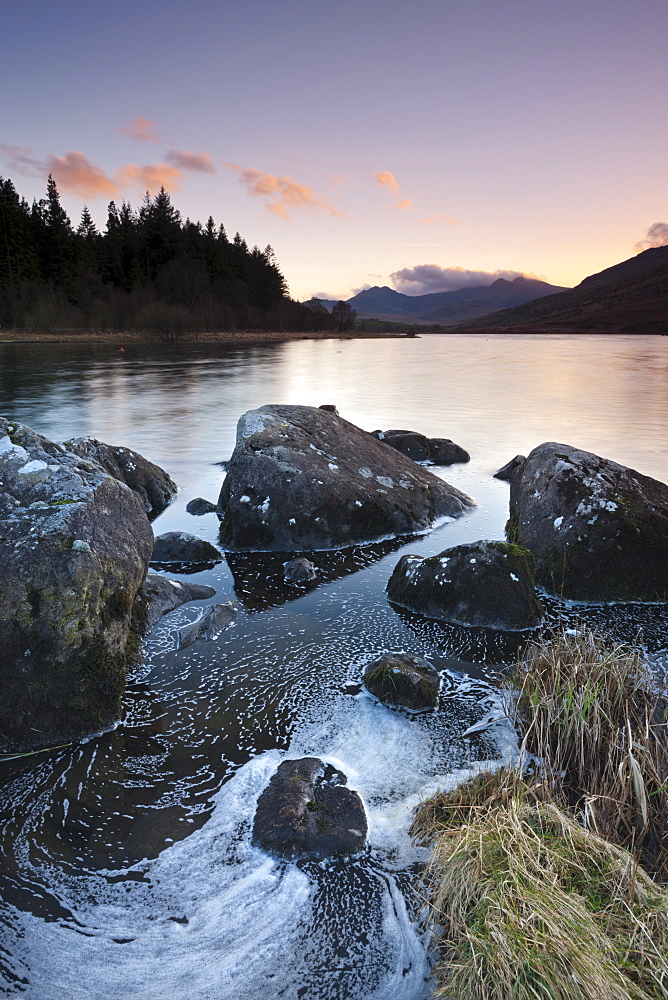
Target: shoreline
127 337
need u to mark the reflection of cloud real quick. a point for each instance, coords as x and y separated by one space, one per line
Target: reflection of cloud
74 172
280 193
447 220
150 177
141 129
387 179
199 162
657 236
425 278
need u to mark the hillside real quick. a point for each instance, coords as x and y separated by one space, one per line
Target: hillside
460 305
630 297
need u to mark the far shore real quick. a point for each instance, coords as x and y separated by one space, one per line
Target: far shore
226 336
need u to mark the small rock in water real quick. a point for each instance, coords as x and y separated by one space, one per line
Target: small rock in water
330 407
306 810
299 570
200 506
403 679
214 621
181 547
443 451
162 595
410 443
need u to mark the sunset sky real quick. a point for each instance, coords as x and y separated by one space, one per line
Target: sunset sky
360 139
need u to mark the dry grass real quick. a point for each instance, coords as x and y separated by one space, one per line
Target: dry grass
533 907
590 714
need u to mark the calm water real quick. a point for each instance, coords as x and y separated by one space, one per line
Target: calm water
127 867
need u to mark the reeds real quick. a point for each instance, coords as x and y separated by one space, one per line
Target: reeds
535 887
591 715
533 907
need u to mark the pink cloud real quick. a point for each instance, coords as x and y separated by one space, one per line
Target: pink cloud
656 236
280 193
198 162
75 173
141 129
404 205
388 180
447 220
21 159
150 177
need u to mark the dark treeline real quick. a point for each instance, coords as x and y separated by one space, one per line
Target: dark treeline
149 271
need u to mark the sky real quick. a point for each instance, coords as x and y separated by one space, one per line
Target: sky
424 146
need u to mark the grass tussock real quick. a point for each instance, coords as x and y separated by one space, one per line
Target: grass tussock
534 907
590 713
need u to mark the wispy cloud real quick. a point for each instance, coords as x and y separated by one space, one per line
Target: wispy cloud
75 173
141 129
281 194
431 220
198 162
387 180
339 179
72 172
657 236
425 278
151 177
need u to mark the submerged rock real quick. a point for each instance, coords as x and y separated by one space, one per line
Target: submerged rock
161 596
152 483
598 530
510 469
307 810
486 583
403 679
299 571
200 506
215 620
303 478
182 547
75 544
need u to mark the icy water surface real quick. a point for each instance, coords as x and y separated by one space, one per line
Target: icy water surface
127 867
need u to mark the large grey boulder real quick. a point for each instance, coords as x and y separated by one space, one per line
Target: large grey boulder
403 679
302 478
486 583
307 810
152 483
74 549
598 530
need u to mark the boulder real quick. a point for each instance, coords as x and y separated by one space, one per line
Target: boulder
300 570
410 443
508 471
215 620
151 482
75 545
330 407
200 506
160 596
302 478
306 810
184 548
485 583
598 530
443 451
403 679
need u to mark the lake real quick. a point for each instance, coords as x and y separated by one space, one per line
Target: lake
127 867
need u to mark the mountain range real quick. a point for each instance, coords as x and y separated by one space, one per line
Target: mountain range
630 297
459 306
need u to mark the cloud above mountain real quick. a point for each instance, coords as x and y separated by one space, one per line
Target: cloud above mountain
425 278
656 236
